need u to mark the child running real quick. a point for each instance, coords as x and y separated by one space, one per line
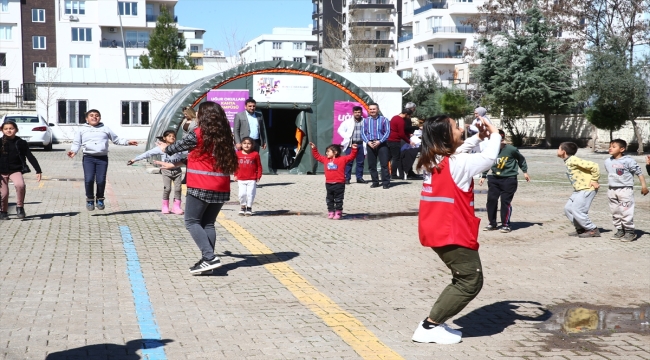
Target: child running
620 177
247 175
503 184
583 175
169 175
210 162
446 222
93 138
12 167
334 176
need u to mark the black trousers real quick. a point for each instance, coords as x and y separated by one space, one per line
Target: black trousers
382 154
408 158
505 188
335 193
395 162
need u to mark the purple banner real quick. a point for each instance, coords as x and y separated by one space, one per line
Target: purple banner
232 102
342 112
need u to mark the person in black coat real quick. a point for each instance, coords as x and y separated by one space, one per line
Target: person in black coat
14 151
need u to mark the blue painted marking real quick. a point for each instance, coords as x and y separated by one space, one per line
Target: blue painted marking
152 347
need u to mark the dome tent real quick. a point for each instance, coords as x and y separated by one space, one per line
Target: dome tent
313 120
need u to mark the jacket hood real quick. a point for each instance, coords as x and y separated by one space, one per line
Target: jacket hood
101 124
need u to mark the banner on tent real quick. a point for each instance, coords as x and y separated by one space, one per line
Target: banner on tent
232 102
343 111
283 88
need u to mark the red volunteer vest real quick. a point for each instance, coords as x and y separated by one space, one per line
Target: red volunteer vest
201 174
446 212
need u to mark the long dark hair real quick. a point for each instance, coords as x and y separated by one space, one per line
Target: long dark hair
217 137
437 139
4 138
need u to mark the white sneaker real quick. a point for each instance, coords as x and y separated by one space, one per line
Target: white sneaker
453 331
440 334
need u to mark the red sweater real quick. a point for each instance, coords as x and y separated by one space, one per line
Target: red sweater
334 168
397 131
250 166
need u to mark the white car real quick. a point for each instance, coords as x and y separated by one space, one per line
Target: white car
33 129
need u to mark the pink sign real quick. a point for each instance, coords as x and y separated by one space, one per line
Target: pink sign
232 102
342 112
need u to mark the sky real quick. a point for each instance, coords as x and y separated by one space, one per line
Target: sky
231 23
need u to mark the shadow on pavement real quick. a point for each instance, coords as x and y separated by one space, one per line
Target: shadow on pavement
523 225
274 184
125 212
49 216
109 351
249 260
492 319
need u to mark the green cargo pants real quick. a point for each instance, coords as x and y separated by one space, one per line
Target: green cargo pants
467 281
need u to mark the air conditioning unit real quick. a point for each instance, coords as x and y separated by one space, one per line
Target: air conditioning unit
73 18
111 29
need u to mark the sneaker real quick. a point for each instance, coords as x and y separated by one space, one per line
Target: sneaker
242 211
20 212
577 232
4 215
205 265
441 334
249 211
619 234
330 215
629 236
453 331
506 229
100 204
361 181
590 233
490 228
90 205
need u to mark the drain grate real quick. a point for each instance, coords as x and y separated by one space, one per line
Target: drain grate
64 179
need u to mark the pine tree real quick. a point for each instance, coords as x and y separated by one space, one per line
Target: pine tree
164 46
525 73
455 104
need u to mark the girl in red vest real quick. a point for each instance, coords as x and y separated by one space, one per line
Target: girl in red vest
447 223
209 164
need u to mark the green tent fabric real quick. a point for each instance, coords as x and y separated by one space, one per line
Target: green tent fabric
315 119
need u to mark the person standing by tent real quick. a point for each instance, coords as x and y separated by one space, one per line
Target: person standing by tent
394 142
376 130
250 123
350 130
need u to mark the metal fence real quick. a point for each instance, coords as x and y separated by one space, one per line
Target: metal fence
19 98
120 44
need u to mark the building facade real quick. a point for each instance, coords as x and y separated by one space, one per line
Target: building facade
291 44
11 54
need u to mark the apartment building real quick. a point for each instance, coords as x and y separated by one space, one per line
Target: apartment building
434 37
291 44
11 63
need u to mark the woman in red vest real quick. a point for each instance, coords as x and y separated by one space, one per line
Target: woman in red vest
447 223
210 162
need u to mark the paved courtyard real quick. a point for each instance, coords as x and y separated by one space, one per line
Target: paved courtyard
114 284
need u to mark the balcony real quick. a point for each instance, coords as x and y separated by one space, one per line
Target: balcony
382 40
120 44
406 37
196 54
429 6
382 59
453 29
154 18
372 22
371 4
451 56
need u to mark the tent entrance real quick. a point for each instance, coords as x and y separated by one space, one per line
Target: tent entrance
281 129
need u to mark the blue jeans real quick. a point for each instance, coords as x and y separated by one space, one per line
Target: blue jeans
95 170
361 157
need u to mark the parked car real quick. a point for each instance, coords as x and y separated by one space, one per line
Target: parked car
33 128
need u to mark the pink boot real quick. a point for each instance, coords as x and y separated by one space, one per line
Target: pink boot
330 214
165 207
177 207
337 215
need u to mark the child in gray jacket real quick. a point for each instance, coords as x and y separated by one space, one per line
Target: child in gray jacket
93 138
169 175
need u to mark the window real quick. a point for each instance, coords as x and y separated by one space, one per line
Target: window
3 59
277 58
458 47
194 48
5 6
75 7
38 42
380 68
37 65
380 52
5 32
297 59
79 61
138 39
277 45
135 113
127 8
82 34
133 61
297 46
38 15
197 62
417 28
4 86
72 112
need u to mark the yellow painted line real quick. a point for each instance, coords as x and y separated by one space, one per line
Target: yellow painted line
41 184
351 330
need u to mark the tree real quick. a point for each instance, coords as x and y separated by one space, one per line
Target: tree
525 72
164 46
454 103
425 93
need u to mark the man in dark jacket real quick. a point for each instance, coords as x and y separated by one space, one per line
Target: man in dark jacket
250 123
